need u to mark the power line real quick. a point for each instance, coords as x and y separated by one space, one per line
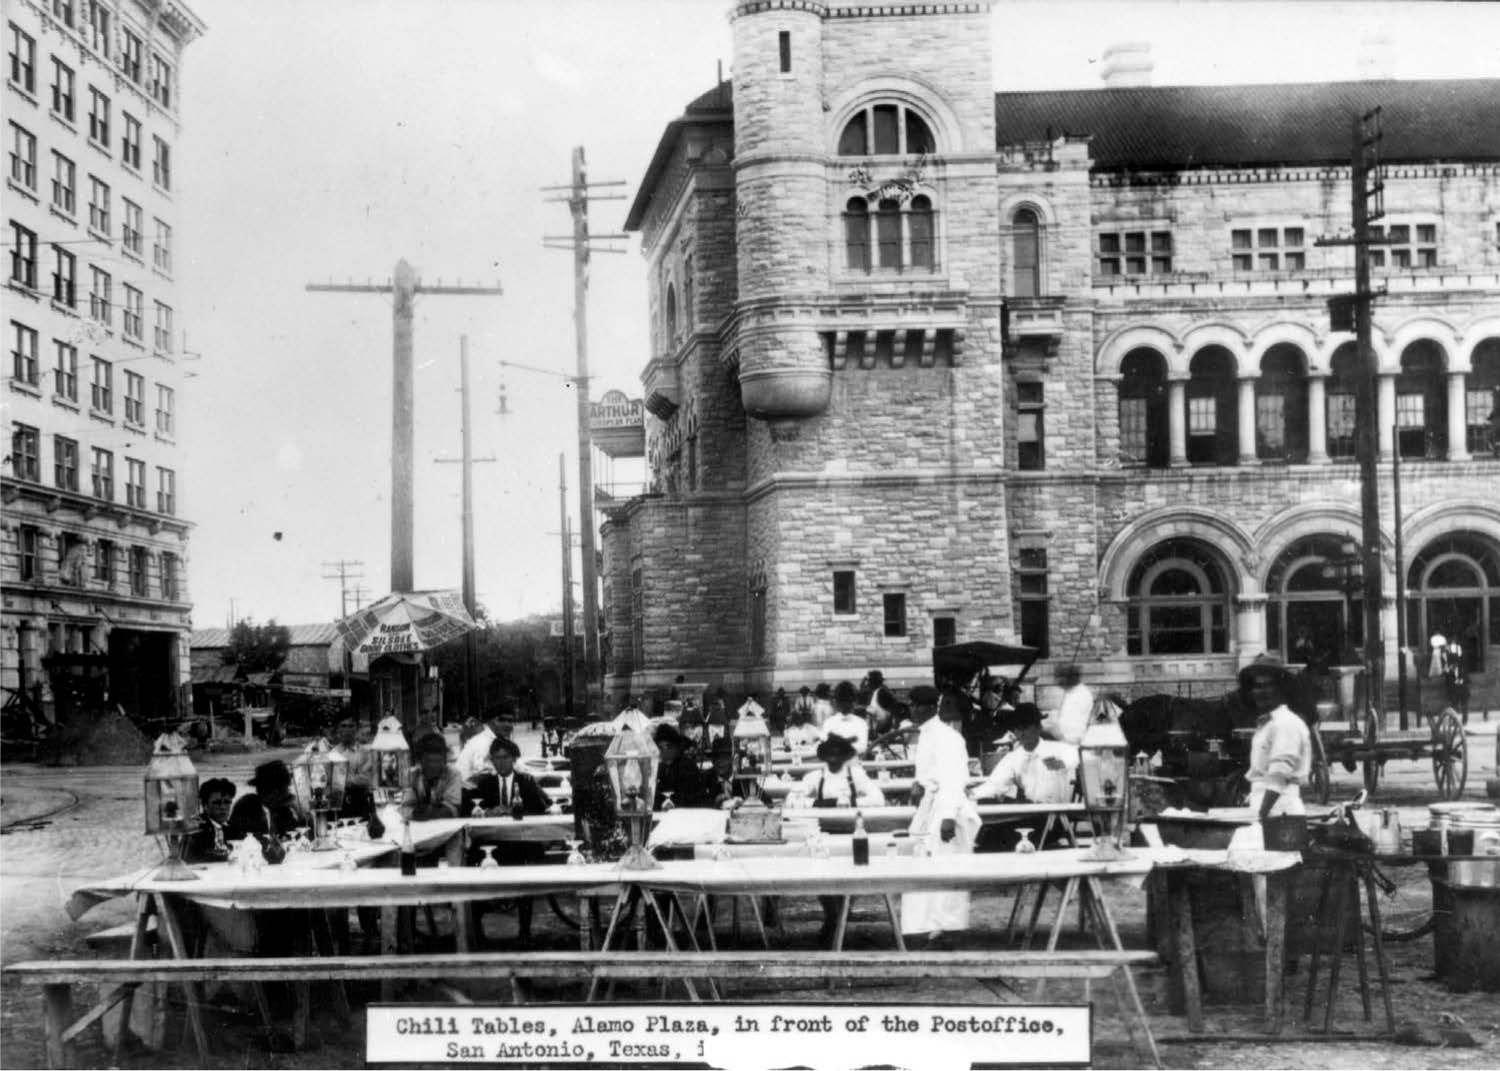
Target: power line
343 574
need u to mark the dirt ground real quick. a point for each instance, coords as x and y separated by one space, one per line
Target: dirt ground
62 828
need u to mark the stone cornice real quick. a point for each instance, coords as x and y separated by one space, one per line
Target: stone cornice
90 509
817 481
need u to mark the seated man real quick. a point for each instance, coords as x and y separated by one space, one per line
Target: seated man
268 813
509 792
359 781
207 844
436 788
679 781
1034 771
474 756
841 783
801 733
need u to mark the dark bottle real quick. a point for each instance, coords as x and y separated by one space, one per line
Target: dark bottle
408 854
373 824
517 805
861 842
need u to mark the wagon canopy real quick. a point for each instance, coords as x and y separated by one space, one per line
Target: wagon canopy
962 662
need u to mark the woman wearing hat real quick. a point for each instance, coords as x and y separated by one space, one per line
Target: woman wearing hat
841 782
844 721
1281 750
679 781
270 811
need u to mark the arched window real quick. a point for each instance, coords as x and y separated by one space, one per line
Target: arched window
1178 601
1422 402
671 314
886 129
1281 406
1453 587
896 235
1314 607
1342 387
1144 437
1025 253
1212 408
1482 399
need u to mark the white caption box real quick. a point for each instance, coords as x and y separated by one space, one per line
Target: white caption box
929 1037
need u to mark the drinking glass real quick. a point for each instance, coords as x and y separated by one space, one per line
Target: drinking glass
489 857
1024 845
666 803
575 853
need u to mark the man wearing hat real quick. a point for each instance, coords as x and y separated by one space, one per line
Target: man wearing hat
678 774
881 708
474 757
437 790
1035 770
841 782
946 819
268 812
803 704
1281 750
843 721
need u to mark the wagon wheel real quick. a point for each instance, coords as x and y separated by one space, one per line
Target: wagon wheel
1450 755
1372 761
1321 782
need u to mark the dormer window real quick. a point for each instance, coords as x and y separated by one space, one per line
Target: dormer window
886 130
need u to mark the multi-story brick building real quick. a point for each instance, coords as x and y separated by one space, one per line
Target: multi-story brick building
935 363
95 545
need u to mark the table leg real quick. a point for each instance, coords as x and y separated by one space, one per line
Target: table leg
1381 965
1185 949
390 921
621 899
1069 890
1276 898
178 943
1341 907
666 932
765 941
137 951
1317 955
1101 908
1359 958
57 1015
325 945
893 913
842 924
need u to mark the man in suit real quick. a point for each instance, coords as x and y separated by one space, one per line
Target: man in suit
509 793
207 844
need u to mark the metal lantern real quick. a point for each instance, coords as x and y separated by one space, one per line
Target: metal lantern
318 778
392 762
752 752
171 802
631 761
1104 773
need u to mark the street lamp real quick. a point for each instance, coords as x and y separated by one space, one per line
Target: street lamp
392 762
631 761
751 820
1104 774
171 803
318 778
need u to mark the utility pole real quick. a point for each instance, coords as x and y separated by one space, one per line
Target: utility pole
343 574
577 199
471 638
404 286
567 584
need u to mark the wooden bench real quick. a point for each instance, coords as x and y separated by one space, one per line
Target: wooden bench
118 977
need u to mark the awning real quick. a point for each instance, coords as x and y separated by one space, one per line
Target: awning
321 693
214 674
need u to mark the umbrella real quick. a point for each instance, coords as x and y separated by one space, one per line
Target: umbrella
405 622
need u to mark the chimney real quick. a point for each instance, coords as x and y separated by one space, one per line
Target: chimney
1377 57
1127 64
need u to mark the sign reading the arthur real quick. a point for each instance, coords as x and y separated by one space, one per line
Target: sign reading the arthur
618 425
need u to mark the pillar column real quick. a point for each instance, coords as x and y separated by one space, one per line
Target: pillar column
1177 422
1247 421
1385 410
1249 627
1317 421
1458 421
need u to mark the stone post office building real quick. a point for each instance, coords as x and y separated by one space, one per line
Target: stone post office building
932 363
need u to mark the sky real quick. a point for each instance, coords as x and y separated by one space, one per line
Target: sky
325 141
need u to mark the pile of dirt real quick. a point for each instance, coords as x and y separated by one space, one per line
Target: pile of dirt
103 740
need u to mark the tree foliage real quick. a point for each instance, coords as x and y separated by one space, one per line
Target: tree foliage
258 648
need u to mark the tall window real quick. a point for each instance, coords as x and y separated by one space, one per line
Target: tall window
23 346
62 89
886 130
28 545
135 483
758 599
843 592
1134 253
131 54
22 156
166 405
1482 400
1314 613
1268 248
130 232
1025 253
98 205
70 555
894 606
22 59
1033 599
1031 451
101 296
161 81
1422 402
130 142
99 118
65 375
163 337
161 163
64 184
1341 389
637 619
26 453
1453 587
102 390
104 562
134 315
63 10
98 16
65 462
1281 406
857 234
1213 408
103 472
138 570
784 46
22 256
161 248
671 315
1144 438
169 576
1179 601
64 277
135 398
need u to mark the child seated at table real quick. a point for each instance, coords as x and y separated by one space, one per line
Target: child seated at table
208 844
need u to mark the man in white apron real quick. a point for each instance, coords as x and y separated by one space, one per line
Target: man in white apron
1281 750
946 820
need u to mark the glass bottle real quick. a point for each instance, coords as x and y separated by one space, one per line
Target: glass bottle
861 845
408 852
